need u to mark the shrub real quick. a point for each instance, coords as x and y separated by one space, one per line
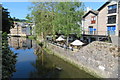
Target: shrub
8 59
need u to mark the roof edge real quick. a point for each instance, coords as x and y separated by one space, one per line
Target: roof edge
103 5
90 12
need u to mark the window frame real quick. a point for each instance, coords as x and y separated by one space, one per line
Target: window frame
112 9
93 19
111 19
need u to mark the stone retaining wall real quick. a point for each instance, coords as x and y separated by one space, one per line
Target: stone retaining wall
98 58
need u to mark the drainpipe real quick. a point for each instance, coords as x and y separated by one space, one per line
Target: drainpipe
83 25
97 25
17 29
118 9
84 32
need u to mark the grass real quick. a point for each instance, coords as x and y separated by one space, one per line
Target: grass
32 37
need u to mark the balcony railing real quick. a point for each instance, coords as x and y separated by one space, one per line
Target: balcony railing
111 21
99 32
90 32
111 32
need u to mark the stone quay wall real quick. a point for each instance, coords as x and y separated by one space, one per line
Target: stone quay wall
100 59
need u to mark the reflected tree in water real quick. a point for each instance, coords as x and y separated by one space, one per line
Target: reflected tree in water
44 68
50 66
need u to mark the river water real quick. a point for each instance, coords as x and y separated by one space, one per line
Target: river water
32 65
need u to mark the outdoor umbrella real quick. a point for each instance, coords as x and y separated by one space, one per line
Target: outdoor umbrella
77 43
60 39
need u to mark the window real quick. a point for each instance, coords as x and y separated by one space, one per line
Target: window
93 19
112 19
111 30
90 29
112 9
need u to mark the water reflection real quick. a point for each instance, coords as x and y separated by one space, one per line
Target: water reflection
49 68
21 43
31 63
25 49
45 68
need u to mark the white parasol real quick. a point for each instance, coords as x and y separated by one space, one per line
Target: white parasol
77 43
60 39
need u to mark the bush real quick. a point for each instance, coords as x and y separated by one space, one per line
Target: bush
8 59
32 37
41 44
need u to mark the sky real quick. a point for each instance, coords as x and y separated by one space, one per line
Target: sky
17 9
20 9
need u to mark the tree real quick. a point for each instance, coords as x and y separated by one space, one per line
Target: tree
8 57
69 14
43 14
57 17
20 20
29 18
7 21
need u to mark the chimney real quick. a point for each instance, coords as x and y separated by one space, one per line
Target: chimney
88 9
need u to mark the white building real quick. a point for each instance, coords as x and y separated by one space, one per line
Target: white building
21 29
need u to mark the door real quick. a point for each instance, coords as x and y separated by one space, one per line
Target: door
90 29
111 30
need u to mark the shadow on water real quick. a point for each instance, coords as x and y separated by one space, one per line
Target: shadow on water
33 63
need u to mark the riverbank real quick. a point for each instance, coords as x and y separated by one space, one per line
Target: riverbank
68 57
34 62
98 58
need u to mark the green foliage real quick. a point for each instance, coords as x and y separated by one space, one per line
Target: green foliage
57 17
29 19
69 14
43 14
20 20
7 21
32 37
8 59
41 44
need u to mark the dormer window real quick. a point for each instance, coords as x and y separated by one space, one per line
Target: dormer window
112 9
93 20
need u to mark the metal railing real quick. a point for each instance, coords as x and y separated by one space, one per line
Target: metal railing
112 11
107 33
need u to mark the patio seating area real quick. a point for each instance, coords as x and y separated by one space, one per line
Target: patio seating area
73 46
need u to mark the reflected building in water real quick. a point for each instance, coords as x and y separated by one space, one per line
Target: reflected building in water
21 43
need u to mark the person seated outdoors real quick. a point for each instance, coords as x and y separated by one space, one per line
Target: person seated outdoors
64 46
71 48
